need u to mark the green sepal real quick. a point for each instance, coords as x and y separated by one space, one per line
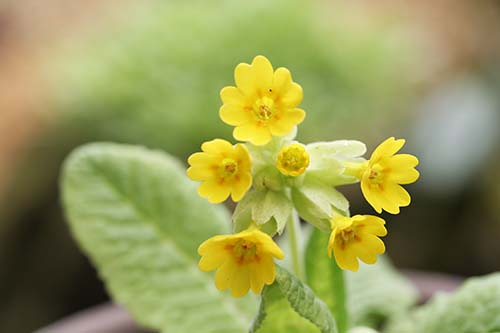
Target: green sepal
268 178
244 221
288 305
315 202
328 160
262 207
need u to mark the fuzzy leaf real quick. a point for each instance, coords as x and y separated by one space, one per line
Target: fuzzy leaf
377 293
139 219
474 308
288 305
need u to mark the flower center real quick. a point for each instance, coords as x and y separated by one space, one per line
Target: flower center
263 109
244 251
347 236
376 174
228 168
292 160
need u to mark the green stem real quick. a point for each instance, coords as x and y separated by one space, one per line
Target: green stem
340 300
293 238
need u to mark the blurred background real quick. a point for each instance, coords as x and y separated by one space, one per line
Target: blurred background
149 73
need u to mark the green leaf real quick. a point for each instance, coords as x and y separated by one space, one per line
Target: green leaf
378 293
474 308
375 292
288 305
139 219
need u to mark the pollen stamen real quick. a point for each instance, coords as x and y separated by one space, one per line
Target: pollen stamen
244 251
228 168
263 109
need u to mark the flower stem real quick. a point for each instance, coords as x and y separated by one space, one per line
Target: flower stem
293 238
340 311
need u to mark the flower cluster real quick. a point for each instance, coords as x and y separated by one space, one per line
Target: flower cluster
273 177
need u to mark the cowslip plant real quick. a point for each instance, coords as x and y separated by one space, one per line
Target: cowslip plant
275 179
153 239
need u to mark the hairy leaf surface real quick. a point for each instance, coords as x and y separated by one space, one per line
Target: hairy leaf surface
139 219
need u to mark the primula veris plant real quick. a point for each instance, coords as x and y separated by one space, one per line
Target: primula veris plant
263 107
154 241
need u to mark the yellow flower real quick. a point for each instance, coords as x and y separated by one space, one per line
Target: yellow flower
381 175
292 160
243 261
263 103
356 237
223 169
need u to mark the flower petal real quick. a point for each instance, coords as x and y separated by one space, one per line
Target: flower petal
281 127
213 191
257 135
212 260
242 156
397 194
402 168
241 187
403 177
387 148
217 146
346 259
232 95
256 279
224 275
372 225
282 80
374 244
286 122
200 173
234 115
268 246
245 79
213 244
295 115
267 269
364 252
263 73
292 96
202 160
372 197
240 281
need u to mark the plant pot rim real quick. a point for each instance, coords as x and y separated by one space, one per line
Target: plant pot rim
112 318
